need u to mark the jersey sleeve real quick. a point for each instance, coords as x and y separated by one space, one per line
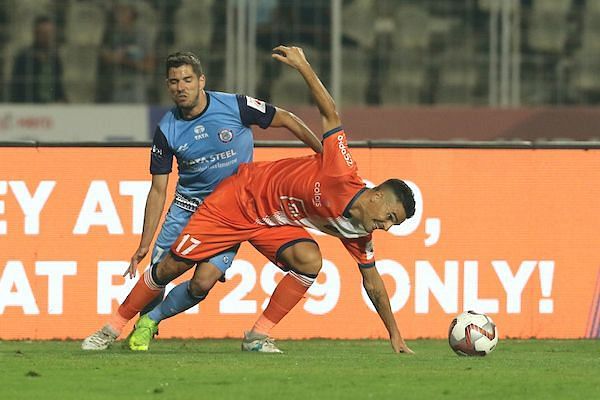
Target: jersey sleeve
361 249
161 156
336 157
255 112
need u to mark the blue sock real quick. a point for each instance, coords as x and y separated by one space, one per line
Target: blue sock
178 300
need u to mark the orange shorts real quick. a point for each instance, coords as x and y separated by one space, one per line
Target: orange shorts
211 231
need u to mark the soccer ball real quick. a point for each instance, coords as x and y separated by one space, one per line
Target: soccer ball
472 334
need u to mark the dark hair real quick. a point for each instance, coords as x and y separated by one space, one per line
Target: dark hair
403 193
180 58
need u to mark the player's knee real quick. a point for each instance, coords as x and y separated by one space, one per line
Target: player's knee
163 272
306 258
199 288
204 279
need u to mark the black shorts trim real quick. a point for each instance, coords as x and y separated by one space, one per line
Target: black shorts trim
179 258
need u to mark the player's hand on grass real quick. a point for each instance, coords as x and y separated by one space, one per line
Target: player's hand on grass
138 256
400 346
405 349
292 56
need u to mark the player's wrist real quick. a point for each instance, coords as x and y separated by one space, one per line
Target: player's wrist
395 334
304 67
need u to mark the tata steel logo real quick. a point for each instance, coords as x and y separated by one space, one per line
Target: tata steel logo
344 151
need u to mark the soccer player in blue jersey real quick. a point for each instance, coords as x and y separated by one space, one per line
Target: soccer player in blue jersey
210 136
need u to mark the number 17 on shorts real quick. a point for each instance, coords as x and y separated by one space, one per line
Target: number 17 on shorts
188 244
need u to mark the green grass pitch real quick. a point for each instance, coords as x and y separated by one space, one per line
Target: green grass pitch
312 369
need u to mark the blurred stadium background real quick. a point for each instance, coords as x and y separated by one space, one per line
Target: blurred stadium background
507 61
498 53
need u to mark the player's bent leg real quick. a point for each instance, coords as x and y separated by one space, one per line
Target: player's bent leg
158 253
175 220
158 297
182 297
147 288
177 301
303 260
205 277
150 306
188 294
303 256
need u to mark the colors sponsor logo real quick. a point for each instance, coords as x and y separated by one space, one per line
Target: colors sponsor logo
317 194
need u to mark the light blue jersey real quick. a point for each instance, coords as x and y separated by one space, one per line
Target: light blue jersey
208 149
211 146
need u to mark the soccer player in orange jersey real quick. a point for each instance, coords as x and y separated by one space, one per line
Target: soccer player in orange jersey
270 204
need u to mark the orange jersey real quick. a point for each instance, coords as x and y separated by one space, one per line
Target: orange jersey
314 192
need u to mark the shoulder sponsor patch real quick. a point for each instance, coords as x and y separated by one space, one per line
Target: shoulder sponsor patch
256 104
156 151
341 138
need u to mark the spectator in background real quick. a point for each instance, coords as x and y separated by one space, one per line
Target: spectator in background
37 70
126 58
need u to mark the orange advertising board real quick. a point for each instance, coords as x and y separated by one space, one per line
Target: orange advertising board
511 233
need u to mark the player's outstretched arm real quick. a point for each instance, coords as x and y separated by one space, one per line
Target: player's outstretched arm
155 203
375 288
294 57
